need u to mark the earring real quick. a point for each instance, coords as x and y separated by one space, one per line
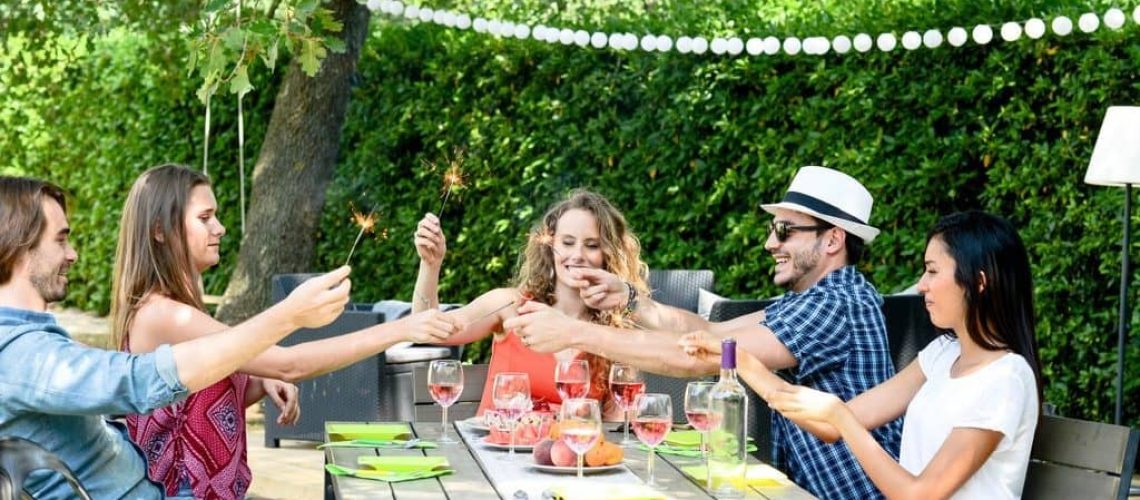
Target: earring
552 273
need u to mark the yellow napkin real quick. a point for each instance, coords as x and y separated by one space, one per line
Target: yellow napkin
403 464
350 431
683 438
607 492
756 475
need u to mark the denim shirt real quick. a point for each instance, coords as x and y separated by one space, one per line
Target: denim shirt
54 391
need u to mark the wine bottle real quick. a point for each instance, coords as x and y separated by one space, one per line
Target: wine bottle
728 438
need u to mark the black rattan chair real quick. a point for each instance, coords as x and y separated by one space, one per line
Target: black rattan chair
376 389
679 288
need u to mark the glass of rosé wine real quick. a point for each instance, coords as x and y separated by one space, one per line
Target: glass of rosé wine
581 426
445 383
572 379
511 394
698 414
652 418
625 384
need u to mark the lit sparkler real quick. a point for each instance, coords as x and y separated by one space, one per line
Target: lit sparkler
452 179
367 224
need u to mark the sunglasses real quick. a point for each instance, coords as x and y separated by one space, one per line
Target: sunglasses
784 229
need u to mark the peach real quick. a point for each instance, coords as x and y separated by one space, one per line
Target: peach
561 455
542 452
604 453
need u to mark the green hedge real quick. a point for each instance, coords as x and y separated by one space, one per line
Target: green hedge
687 146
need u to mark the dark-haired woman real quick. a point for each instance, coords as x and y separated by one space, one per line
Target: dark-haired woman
972 397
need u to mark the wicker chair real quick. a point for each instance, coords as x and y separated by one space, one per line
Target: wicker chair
379 388
679 288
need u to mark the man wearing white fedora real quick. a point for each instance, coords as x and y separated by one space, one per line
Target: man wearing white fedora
827 331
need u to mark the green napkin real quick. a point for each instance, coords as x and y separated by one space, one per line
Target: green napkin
404 464
391 477
684 451
607 492
380 443
756 475
690 439
381 432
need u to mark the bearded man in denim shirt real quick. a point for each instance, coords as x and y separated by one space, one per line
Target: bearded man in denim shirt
55 391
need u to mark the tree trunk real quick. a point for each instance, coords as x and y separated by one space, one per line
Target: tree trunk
293 170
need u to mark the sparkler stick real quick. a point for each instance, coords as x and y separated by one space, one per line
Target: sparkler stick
367 223
453 178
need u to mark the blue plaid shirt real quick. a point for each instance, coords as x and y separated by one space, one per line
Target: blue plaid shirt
836 331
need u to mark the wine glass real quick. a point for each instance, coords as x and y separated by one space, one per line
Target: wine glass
572 379
511 395
699 416
652 418
625 384
581 426
445 383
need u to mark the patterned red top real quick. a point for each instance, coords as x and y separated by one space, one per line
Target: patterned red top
201 440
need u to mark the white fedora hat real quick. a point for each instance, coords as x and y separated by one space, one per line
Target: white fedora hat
832 196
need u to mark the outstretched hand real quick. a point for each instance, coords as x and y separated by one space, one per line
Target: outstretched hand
431 244
600 289
430 327
541 327
319 300
797 402
701 345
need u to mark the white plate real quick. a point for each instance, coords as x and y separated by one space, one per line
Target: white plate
475 423
573 469
518 447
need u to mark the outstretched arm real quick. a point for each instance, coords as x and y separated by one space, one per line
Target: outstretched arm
210 358
960 456
604 290
547 330
431 246
161 320
872 409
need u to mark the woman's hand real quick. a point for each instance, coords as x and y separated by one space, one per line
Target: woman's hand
701 345
797 402
430 327
287 399
431 244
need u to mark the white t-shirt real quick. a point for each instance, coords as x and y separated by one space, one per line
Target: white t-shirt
1001 396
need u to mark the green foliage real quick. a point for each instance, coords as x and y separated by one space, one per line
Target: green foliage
231 35
94 121
687 146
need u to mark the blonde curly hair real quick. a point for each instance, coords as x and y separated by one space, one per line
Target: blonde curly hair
621 252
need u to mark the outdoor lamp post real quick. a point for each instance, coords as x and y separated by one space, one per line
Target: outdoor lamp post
1116 162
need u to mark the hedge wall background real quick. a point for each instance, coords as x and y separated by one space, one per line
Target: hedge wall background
687 146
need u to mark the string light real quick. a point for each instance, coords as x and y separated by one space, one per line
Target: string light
957 36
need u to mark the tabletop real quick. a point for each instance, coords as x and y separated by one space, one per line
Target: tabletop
481 474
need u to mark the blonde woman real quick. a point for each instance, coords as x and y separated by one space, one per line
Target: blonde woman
584 230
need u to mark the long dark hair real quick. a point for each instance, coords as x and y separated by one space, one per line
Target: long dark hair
992 267
152 256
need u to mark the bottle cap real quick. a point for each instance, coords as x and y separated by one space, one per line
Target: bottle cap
728 354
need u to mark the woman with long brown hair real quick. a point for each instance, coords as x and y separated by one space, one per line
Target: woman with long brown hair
584 230
169 234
